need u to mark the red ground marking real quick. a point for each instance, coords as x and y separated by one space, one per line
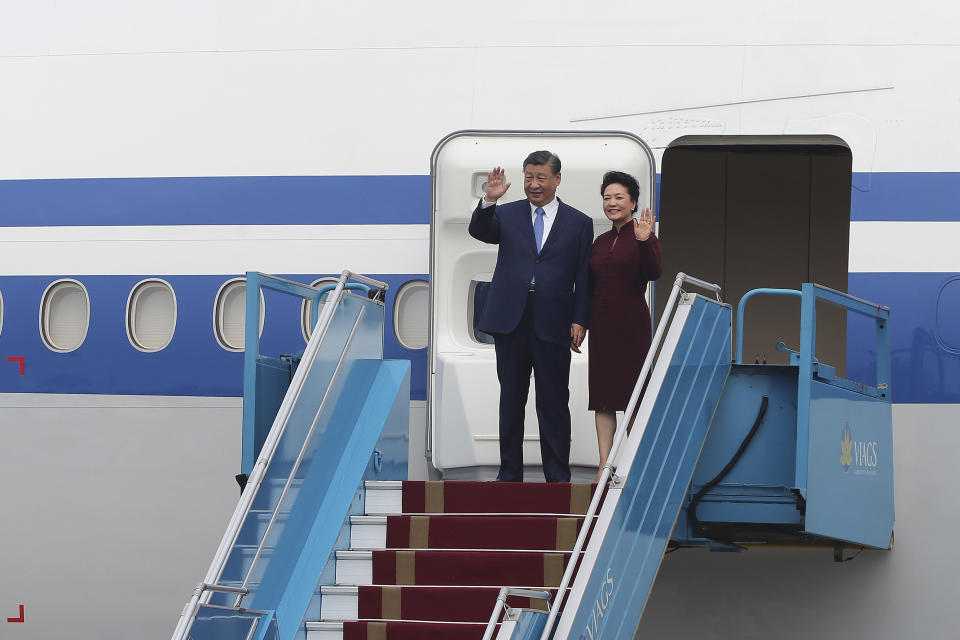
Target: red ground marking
19 359
20 619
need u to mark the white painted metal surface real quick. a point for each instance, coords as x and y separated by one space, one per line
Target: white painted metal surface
354 567
368 532
384 498
67 515
194 76
324 631
227 250
339 603
904 246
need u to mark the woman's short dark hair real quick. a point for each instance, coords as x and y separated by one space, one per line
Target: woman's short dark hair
627 180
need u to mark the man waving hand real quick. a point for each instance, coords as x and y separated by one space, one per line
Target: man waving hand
537 307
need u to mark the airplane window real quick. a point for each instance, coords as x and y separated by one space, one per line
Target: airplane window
64 315
306 309
411 311
948 307
229 314
151 315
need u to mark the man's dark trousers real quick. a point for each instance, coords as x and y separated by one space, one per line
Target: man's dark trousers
517 353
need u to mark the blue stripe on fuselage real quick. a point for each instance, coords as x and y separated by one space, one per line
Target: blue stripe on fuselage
216 200
193 364
928 196
924 339
900 196
402 199
924 336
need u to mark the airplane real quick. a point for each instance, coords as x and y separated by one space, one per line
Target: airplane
154 153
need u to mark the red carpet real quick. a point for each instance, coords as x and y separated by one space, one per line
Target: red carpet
482 568
541 533
411 631
495 497
467 604
443 567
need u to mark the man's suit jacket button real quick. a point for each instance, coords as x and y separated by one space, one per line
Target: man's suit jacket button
537 261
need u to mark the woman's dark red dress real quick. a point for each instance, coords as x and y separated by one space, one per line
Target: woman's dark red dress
620 327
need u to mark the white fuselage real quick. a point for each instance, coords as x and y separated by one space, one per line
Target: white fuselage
193 141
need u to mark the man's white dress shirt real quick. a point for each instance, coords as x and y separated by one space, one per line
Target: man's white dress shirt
549 215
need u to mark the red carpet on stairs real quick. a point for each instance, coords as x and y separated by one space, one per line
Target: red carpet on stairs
467 604
411 631
538 533
495 497
483 568
455 545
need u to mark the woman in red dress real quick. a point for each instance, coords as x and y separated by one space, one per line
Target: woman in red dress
623 261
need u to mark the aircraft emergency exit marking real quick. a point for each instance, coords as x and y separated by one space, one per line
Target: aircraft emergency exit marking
20 619
19 359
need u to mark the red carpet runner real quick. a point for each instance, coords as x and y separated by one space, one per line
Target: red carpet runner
411 631
439 577
479 532
469 604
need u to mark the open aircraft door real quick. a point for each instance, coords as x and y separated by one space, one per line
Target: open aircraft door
462 391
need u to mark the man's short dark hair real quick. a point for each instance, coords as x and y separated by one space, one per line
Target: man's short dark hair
544 157
627 180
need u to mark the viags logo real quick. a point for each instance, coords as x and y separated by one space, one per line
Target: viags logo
599 608
846 447
862 455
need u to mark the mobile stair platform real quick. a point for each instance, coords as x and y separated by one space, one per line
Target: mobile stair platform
330 542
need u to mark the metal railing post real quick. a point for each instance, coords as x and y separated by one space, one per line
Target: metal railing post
501 603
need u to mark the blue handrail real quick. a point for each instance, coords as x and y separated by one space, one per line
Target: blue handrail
256 282
322 291
741 307
809 295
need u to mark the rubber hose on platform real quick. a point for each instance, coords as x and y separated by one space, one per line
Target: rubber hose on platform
695 523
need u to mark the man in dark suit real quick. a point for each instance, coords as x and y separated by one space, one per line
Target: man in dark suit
537 307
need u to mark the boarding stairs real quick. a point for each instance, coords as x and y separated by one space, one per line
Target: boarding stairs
328 542
427 559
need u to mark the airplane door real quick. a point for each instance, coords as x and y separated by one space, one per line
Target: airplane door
772 211
462 390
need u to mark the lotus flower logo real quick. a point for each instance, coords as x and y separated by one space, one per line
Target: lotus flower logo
846 447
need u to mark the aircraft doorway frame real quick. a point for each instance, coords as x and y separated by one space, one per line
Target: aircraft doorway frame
648 198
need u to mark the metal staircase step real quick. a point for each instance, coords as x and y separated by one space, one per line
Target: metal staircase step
368 532
354 567
414 603
335 630
324 631
339 603
384 497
